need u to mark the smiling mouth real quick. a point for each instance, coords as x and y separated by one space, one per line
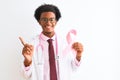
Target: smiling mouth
47 26
48 30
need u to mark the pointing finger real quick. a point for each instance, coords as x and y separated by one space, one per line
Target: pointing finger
22 41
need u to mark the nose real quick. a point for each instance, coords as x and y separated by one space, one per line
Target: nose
48 22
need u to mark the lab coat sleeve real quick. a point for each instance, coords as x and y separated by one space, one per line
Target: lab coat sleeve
75 64
27 71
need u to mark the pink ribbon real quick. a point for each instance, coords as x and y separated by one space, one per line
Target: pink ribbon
71 37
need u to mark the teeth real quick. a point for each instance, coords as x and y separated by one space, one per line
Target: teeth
47 26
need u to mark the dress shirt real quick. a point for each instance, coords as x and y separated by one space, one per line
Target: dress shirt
45 44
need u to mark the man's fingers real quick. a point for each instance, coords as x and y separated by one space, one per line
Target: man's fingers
22 41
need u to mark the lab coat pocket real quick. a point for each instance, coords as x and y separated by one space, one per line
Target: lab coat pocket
39 60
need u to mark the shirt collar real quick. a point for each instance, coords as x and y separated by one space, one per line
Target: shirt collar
45 38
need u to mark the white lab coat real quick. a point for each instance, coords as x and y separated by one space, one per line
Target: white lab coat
66 62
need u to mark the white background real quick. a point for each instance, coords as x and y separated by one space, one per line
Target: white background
97 23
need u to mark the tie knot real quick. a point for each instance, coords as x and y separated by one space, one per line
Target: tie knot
49 41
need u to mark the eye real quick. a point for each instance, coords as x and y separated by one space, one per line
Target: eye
52 19
44 19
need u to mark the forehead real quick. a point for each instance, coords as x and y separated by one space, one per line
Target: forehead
48 15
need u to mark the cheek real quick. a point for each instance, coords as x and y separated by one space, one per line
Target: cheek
54 24
40 23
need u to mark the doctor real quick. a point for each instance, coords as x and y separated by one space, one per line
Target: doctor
67 56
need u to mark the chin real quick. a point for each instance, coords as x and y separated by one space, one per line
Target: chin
48 32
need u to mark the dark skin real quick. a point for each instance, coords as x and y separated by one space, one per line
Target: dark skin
47 22
78 47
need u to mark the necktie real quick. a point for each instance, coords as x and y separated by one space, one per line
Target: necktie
53 75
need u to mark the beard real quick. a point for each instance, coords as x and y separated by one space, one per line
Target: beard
48 33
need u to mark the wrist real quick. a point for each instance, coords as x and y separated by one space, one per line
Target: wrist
27 63
78 58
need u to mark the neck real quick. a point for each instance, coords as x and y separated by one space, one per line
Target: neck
49 34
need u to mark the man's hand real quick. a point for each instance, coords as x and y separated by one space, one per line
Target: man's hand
78 47
27 52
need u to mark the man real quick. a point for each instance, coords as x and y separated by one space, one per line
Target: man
37 60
